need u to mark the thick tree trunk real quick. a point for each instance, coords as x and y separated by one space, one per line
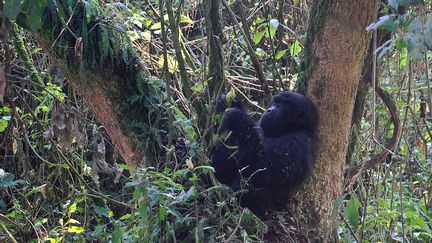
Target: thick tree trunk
106 71
335 51
101 91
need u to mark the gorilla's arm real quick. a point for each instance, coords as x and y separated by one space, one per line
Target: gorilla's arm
241 150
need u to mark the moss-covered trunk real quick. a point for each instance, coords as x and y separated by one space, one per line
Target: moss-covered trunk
335 51
101 93
107 73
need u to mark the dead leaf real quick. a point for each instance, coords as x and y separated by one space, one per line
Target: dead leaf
58 119
15 142
99 164
48 134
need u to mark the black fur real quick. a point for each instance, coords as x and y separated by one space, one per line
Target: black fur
269 158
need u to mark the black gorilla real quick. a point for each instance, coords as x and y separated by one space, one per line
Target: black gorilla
269 158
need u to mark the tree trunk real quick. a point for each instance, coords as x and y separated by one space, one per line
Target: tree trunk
335 51
214 26
106 71
96 88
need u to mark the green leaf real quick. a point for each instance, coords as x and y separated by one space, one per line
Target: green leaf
162 213
295 48
126 216
403 59
156 26
72 221
35 14
351 210
3 125
148 23
5 109
185 20
116 235
280 54
12 8
102 211
146 35
72 208
273 29
75 229
126 167
259 21
258 36
198 87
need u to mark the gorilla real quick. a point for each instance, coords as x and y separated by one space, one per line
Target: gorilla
266 160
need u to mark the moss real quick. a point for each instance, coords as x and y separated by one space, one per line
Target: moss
95 45
319 12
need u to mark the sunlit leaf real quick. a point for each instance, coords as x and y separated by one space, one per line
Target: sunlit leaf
75 229
280 54
172 63
185 20
72 221
402 59
258 37
126 216
72 208
295 48
156 26
146 35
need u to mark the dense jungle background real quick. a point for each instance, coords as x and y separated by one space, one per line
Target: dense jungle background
107 117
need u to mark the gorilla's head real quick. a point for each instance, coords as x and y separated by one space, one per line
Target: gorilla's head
289 112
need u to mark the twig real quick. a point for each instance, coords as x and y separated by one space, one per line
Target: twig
8 233
236 228
251 50
349 227
354 172
176 41
166 79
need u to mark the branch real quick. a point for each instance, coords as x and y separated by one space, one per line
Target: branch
251 48
173 25
352 175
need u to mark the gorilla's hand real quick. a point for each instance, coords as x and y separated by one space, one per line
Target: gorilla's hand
237 120
222 105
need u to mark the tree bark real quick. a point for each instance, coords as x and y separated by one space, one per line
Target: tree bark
105 70
214 26
335 50
97 91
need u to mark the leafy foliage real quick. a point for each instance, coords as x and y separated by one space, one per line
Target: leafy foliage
62 180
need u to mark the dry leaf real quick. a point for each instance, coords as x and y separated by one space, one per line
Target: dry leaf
48 134
14 142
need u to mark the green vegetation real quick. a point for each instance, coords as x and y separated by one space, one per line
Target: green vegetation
62 179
